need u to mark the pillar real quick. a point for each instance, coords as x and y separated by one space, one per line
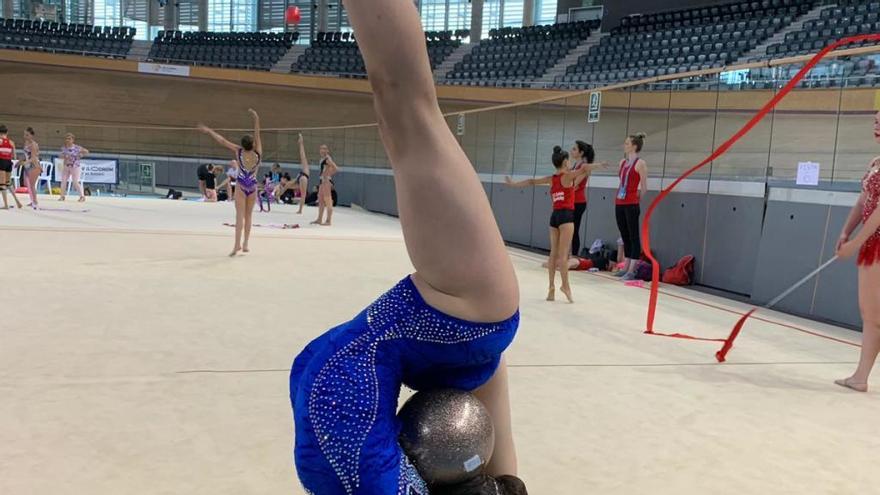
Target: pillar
528 12
476 20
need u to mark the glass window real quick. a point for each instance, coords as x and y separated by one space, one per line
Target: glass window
107 13
337 17
232 15
459 15
433 14
244 18
491 16
220 15
75 11
188 15
512 13
136 13
273 13
545 11
445 15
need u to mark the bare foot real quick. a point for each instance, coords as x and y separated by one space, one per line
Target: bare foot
551 294
245 250
82 199
850 384
316 222
234 251
61 198
325 224
567 292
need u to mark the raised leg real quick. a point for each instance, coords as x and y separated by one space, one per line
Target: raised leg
461 263
303 190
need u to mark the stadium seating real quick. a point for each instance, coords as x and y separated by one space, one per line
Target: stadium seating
517 56
681 41
82 39
255 51
338 53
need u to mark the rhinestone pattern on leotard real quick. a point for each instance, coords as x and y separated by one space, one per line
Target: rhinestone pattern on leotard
344 401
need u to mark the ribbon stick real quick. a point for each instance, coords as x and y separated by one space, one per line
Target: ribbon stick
646 225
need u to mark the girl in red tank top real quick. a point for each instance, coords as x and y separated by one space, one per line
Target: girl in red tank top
633 185
561 195
562 219
7 154
630 180
583 155
867 244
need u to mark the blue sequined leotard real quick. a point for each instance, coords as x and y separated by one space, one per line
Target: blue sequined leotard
345 384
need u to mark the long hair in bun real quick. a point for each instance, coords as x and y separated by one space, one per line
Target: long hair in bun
559 156
638 140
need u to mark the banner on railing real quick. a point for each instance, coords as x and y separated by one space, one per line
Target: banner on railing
93 171
164 70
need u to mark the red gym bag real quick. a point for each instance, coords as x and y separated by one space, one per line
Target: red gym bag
682 273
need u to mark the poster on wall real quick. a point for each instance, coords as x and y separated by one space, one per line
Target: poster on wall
595 107
93 171
808 174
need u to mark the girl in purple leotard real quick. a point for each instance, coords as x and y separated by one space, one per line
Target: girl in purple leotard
248 156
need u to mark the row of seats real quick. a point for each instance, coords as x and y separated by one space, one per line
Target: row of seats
519 54
834 22
85 30
100 41
258 51
682 41
719 13
338 53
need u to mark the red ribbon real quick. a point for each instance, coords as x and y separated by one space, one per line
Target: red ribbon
646 225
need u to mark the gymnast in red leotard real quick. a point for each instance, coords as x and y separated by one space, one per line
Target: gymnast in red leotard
867 244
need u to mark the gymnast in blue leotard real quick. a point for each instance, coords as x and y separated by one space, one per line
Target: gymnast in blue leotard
446 325
248 156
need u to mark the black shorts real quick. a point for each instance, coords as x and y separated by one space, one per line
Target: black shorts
560 217
210 182
6 166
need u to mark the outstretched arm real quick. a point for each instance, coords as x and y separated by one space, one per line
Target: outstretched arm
528 182
222 141
462 267
582 173
258 143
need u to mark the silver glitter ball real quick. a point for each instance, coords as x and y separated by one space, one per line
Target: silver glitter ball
448 435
